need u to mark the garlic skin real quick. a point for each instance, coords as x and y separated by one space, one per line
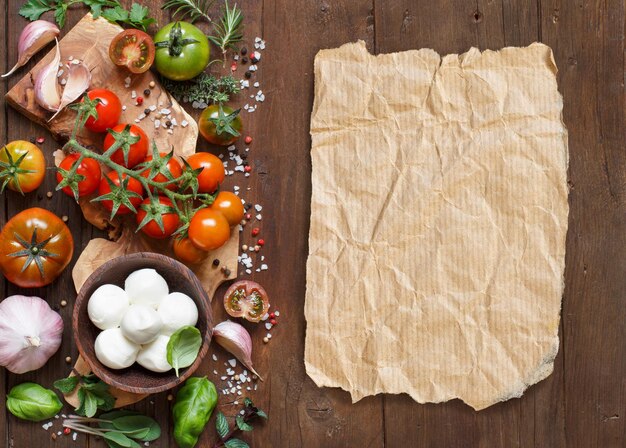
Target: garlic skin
141 324
30 333
153 356
107 306
33 38
114 350
177 310
46 85
146 287
78 80
235 339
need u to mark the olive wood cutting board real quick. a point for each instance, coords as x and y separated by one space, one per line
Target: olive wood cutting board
89 42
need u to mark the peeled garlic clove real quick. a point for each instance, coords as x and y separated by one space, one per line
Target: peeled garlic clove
46 85
33 38
78 80
235 339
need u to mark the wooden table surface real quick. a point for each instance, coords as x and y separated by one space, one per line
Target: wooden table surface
582 404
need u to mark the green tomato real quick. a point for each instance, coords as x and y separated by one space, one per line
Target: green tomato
30 401
182 51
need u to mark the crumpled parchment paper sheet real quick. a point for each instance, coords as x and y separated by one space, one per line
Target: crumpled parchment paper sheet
438 223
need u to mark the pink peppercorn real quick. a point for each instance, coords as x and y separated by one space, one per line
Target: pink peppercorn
247 168
255 231
261 242
140 100
248 140
273 322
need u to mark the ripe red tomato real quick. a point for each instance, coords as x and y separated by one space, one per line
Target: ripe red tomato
89 168
133 185
246 299
109 110
187 252
230 205
138 151
174 168
208 229
132 49
170 219
23 175
212 174
35 247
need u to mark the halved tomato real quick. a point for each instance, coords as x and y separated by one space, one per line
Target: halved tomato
132 49
246 299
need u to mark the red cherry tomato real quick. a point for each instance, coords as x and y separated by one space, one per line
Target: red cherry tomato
174 168
133 185
89 168
208 229
138 151
109 110
212 174
170 219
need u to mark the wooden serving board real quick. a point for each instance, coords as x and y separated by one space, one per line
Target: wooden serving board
89 42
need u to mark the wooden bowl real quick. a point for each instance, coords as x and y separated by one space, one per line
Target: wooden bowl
179 278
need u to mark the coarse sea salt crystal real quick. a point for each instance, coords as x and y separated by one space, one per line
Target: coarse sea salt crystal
248 271
214 357
264 267
233 390
258 207
215 372
75 435
269 336
133 94
223 378
259 217
240 168
265 316
276 313
268 325
256 84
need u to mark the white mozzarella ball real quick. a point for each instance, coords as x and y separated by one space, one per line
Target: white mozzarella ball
114 350
177 310
141 324
146 287
107 306
153 356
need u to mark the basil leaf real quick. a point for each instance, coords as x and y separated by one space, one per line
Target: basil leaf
138 426
120 439
195 402
221 424
30 401
66 385
183 347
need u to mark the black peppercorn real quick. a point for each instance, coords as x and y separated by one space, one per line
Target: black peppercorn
244 50
216 262
146 92
146 111
248 74
244 60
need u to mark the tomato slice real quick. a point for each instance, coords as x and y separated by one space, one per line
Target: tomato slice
246 299
132 49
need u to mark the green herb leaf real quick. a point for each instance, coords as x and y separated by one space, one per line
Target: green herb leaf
204 88
30 401
60 14
121 439
88 403
242 425
221 424
195 402
33 9
190 10
66 385
236 443
138 427
261 414
228 30
183 347
117 14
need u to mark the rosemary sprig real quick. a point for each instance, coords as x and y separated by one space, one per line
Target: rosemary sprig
190 10
228 31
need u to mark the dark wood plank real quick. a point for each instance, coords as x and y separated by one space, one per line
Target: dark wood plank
4 60
588 41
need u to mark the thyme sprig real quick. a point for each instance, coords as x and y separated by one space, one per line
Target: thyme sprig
204 88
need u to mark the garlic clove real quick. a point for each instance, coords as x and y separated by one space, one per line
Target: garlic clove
177 310
78 80
141 324
146 287
46 85
33 38
153 356
235 339
114 350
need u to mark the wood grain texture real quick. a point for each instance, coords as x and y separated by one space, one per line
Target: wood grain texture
582 404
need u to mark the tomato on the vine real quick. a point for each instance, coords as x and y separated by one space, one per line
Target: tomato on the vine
35 247
89 168
132 49
173 167
22 166
108 107
246 299
212 174
150 213
229 204
137 152
208 229
182 51
133 185
187 252
220 125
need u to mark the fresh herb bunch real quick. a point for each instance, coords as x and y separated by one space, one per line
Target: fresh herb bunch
242 423
228 31
190 10
93 393
204 88
112 10
186 201
119 428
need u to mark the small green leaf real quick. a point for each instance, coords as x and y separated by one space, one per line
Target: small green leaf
261 414
236 443
221 424
66 385
120 439
183 347
90 404
117 14
143 427
33 9
242 425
